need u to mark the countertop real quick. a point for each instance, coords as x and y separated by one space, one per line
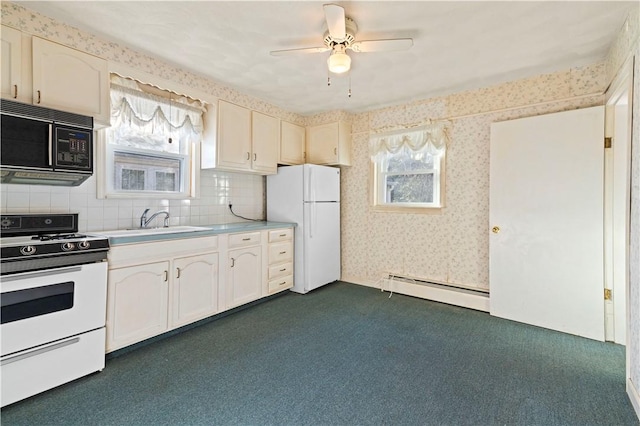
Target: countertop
132 236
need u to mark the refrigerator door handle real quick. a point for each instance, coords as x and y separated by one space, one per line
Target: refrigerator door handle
310 185
313 219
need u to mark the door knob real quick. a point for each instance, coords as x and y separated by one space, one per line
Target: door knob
495 229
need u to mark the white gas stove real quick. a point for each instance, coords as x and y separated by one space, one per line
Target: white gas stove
53 296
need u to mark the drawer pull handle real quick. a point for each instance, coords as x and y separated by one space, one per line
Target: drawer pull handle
178 274
283 269
40 351
15 91
282 283
283 252
166 276
233 262
283 235
39 97
246 239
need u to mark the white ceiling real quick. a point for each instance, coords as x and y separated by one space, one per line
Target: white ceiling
457 45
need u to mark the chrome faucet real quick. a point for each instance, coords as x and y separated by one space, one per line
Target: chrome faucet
144 222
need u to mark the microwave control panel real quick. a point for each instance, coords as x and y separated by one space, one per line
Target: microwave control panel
73 149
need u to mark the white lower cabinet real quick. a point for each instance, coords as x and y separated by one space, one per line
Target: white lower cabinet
280 273
244 275
195 288
154 287
137 303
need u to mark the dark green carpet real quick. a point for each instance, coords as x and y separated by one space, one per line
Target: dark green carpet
346 354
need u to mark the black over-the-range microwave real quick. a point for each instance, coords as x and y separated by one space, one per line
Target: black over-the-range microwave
44 146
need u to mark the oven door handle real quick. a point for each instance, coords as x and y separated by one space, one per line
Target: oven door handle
39 351
48 273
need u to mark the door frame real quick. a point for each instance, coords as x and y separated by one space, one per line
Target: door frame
617 207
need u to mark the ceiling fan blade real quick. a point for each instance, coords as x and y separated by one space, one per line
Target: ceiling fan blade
387 45
336 22
298 51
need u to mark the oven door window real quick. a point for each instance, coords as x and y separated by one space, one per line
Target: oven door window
32 302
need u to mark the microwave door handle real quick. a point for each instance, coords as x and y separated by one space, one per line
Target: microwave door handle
50 144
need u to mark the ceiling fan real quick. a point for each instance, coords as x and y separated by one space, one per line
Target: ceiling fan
340 37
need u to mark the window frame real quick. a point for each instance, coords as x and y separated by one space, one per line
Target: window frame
185 171
100 140
377 189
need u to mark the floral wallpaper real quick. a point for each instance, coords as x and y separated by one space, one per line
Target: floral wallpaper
451 246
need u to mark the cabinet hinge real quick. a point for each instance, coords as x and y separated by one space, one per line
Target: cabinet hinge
607 294
607 142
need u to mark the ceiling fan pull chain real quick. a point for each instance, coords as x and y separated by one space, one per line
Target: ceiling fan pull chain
349 93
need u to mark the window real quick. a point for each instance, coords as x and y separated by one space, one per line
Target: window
408 168
152 142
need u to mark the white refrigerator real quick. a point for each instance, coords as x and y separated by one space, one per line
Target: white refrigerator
309 195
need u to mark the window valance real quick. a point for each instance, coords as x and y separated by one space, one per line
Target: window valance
151 113
431 137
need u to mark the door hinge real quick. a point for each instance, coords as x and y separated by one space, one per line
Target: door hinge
607 294
607 142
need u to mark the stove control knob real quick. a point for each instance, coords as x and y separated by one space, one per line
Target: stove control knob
83 245
68 246
27 250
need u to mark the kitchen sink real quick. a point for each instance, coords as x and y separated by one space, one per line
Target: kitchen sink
151 231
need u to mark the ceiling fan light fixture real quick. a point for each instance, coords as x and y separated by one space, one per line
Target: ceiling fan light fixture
339 62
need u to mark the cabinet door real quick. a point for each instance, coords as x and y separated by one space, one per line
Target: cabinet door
234 136
11 62
136 303
292 143
70 80
322 144
244 275
195 288
265 136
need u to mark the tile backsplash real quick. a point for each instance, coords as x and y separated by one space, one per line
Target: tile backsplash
217 189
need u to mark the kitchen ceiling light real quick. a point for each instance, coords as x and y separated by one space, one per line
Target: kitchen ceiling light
339 62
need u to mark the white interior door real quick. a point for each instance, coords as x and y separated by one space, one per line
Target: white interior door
546 215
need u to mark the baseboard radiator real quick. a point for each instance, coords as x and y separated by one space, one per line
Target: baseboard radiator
445 293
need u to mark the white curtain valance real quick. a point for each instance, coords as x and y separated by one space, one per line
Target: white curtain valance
150 113
432 137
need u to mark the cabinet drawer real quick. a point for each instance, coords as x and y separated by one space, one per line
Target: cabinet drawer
246 239
280 252
280 235
280 270
280 284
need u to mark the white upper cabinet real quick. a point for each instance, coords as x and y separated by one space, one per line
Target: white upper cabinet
70 80
292 143
234 137
247 140
329 144
48 74
11 73
265 136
